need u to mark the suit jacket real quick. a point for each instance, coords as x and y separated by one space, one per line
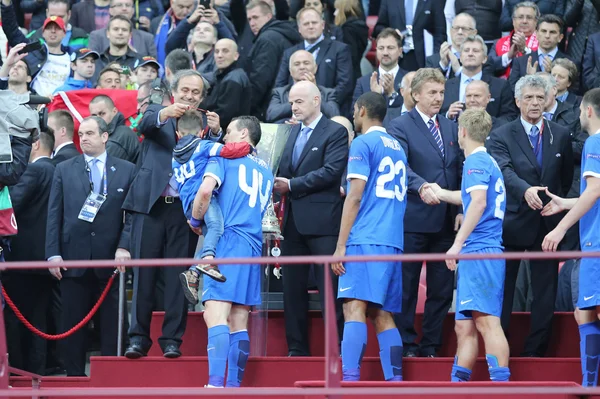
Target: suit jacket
426 164
75 239
363 85
429 15
519 66
67 152
433 61
142 42
82 15
280 109
501 105
510 146
591 60
315 181
30 203
334 68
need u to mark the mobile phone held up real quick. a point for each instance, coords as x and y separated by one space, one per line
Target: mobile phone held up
33 46
205 4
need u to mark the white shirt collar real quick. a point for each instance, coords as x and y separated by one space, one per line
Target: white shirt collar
527 126
319 40
479 149
552 53
403 109
314 123
376 129
463 77
101 158
61 146
426 119
393 71
553 110
38 158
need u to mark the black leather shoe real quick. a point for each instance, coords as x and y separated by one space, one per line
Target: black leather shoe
296 354
411 353
135 351
171 351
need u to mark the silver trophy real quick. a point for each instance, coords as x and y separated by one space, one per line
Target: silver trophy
270 149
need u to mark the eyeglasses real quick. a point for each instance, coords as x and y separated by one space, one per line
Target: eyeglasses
464 29
525 17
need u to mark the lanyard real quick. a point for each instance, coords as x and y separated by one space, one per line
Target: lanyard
105 185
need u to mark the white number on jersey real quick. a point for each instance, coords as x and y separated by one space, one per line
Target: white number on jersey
498 212
254 190
182 173
394 169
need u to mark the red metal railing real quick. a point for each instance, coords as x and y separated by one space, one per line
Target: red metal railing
332 370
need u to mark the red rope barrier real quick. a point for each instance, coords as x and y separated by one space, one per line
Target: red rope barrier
78 326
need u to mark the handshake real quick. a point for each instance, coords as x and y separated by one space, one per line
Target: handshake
432 194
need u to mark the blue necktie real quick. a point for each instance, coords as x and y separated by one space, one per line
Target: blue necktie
436 135
408 8
300 144
464 89
534 136
96 177
548 115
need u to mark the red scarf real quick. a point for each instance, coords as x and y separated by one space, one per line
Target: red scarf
503 46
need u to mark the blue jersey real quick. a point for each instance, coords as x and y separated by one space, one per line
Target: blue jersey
481 172
189 174
590 167
378 158
245 187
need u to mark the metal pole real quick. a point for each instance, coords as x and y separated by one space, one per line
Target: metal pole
121 314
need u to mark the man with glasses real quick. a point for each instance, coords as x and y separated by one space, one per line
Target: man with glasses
521 40
141 41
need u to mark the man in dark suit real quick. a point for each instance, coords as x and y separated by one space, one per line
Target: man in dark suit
431 146
62 127
413 17
533 153
386 80
75 232
29 198
159 227
407 102
332 57
473 56
549 34
310 171
302 67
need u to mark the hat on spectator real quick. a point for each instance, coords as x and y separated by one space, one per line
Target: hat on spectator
82 53
55 20
147 60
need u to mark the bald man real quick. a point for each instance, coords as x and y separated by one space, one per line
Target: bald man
478 96
302 68
310 172
231 90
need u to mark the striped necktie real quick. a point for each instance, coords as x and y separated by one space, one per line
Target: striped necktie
435 132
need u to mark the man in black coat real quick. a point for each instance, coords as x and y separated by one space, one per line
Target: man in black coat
310 171
272 39
533 154
62 127
159 227
30 203
75 232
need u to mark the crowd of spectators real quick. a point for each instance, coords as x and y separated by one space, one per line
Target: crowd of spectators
432 60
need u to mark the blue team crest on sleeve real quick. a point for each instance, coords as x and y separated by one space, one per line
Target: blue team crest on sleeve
355 158
478 171
594 156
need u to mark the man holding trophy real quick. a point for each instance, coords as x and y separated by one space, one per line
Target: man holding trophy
312 165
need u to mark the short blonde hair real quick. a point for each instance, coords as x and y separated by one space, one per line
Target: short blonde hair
477 123
425 75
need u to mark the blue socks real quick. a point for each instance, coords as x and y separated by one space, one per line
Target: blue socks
217 350
459 374
354 343
239 350
590 352
497 373
390 353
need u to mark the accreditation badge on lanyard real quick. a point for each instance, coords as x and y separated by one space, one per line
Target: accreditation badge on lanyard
94 201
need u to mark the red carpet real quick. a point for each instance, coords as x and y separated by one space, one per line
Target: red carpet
564 341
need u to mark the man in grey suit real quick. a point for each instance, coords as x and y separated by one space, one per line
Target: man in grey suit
302 67
141 41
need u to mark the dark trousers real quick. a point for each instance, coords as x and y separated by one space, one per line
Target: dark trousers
295 285
544 281
31 294
163 233
440 285
53 360
79 295
409 62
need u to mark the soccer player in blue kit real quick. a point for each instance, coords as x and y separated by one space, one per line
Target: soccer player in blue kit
244 188
480 283
372 225
586 210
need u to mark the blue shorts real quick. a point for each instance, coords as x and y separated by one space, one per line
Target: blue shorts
589 283
378 283
243 281
480 285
